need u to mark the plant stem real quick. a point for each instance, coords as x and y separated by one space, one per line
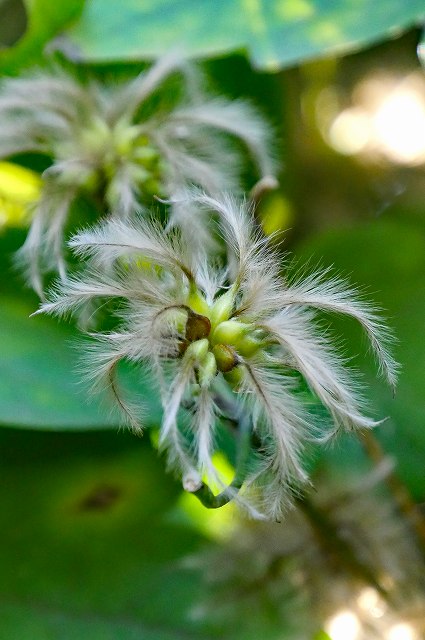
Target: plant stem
337 549
398 490
204 493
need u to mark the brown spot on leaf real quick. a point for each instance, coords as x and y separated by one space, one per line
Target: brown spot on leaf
101 498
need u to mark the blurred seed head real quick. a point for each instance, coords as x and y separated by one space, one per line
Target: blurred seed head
122 144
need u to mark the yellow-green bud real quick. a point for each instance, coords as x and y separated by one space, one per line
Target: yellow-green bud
177 318
197 302
96 135
146 156
140 174
225 356
222 308
198 350
123 138
91 181
75 175
248 345
230 332
235 376
142 141
207 370
152 186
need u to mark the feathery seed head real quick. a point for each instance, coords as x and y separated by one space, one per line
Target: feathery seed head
104 148
214 341
109 142
230 341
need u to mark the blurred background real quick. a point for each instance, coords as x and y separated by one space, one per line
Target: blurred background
96 540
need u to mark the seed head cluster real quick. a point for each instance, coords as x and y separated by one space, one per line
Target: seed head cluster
121 144
195 295
203 330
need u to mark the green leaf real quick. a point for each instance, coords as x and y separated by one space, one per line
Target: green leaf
275 33
89 550
388 258
45 20
84 551
40 364
40 380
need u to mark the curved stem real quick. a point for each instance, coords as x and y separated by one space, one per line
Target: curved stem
261 188
204 493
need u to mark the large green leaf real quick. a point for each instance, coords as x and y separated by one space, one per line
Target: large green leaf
388 258
83 549
275 33
40 366
40 376
45 20
89 550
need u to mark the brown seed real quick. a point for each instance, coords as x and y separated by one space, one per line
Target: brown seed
226 357
197 327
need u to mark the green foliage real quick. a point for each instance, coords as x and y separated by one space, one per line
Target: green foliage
40 375
83 550
91 545
387 258
91 532
275 33
40 369
45 20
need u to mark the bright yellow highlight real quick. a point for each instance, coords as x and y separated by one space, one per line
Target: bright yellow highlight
344 625
224 468
225 472
350 132
19 188
371 602
400 126
276 214
387 118
401 631
217 524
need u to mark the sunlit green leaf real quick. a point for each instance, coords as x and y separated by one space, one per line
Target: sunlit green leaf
274 33
388 258
19 188
322 635
45 20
